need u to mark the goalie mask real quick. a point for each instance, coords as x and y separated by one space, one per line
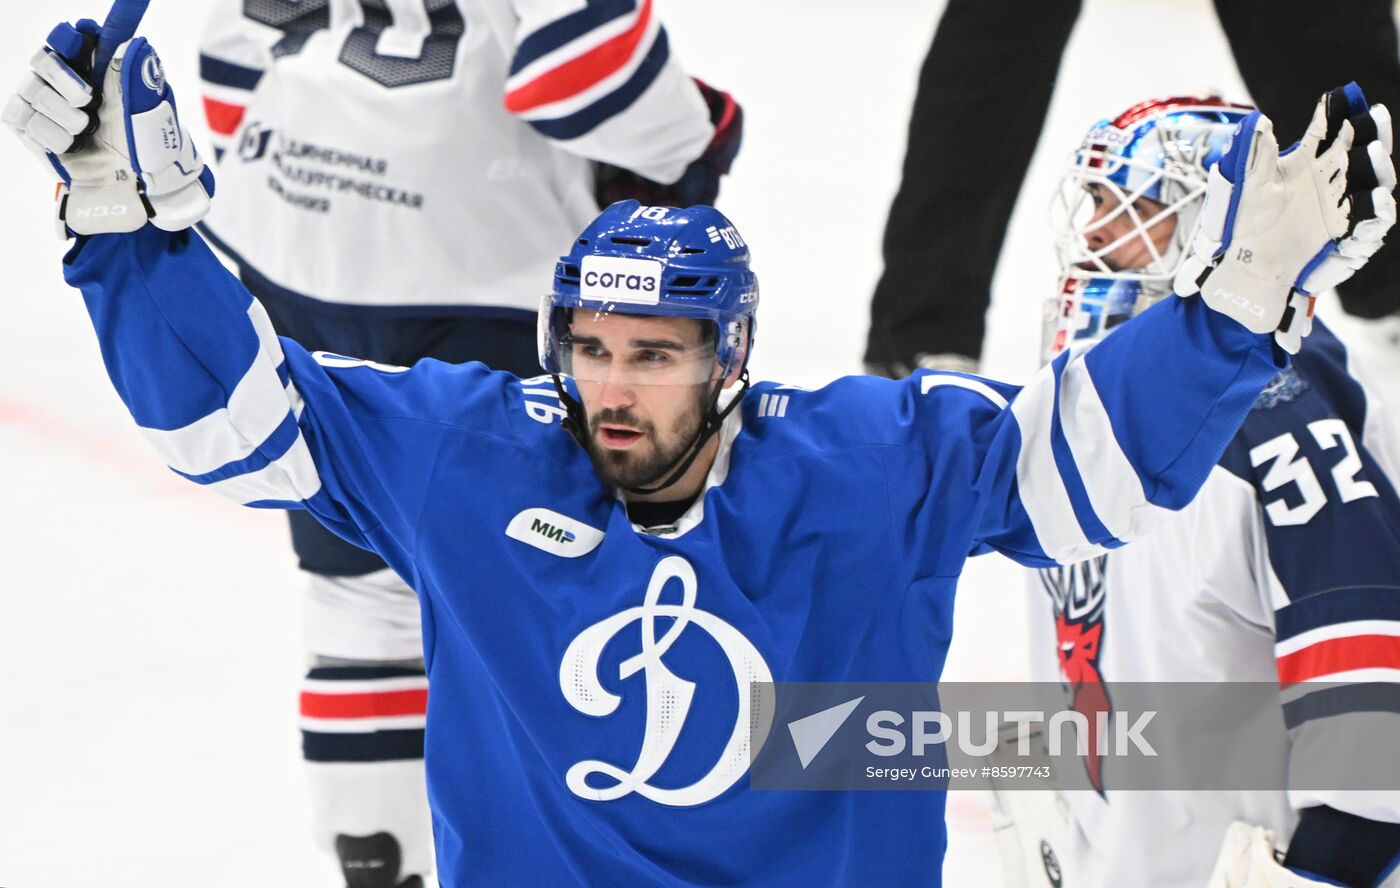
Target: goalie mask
656 262
1126 210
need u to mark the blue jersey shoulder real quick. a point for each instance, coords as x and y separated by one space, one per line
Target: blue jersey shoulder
859 411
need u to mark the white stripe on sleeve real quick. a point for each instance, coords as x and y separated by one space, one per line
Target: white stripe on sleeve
258 405
1115 491
929 383
293 477
1042 490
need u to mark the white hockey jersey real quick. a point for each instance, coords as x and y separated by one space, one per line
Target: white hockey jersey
432 152
1285 568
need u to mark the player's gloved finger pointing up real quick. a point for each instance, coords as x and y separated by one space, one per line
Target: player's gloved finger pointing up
121 151
55 106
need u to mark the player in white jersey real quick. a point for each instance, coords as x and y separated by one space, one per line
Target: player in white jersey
396 179
1282 570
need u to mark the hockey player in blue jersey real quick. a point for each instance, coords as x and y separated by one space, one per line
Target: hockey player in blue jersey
594 616
346 149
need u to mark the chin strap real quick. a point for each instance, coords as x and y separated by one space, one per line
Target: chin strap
714 421
577 426
574 422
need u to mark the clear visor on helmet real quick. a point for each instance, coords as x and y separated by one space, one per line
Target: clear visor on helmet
618 348
1115 230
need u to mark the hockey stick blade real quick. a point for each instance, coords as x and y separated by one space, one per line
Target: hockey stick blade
120 26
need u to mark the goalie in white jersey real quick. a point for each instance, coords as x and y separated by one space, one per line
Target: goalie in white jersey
1283 569
396 179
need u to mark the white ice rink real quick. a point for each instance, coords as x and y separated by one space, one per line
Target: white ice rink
149 655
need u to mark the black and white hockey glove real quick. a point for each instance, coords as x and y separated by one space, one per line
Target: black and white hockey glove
121 152
1278 228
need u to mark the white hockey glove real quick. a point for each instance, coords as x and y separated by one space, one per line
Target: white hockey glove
1248 860
122 154
1277 229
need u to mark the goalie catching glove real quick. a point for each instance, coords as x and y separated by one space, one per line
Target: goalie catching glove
1278 228
121 151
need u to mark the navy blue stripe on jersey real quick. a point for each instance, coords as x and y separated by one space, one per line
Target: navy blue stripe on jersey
1089 522
357 314
584 121
271 450
320 551
1331 700
567 29
222 73
362 673
1337 606
379 746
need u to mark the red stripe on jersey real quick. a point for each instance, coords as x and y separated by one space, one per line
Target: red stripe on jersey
380 704
1340 655
223 118
577 75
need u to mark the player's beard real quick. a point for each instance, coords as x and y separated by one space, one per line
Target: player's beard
648 462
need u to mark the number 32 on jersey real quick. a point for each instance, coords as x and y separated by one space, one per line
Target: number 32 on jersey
1286 467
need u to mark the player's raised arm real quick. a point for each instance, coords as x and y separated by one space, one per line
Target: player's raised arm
1102 444
193 356
601 80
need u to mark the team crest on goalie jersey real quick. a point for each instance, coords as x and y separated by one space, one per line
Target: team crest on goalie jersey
1078 593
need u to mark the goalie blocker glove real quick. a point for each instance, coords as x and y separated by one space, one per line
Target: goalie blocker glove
699 184
121 151
1278 228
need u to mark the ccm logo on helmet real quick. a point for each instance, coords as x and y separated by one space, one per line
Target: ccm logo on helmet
614 279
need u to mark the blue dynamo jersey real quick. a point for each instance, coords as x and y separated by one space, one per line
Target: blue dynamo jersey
588 718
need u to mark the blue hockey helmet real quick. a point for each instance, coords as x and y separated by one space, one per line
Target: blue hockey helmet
656 261
1148 166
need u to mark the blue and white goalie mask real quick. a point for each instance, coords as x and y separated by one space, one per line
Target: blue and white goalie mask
651 296
1126 211
1131 199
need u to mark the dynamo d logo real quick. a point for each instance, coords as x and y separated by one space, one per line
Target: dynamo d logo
612 279
153 73
252 145
668 696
